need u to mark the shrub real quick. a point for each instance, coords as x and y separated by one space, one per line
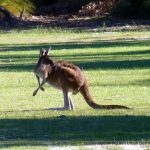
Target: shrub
98 8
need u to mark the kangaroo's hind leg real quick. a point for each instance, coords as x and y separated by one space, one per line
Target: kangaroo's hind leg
70 100
67 101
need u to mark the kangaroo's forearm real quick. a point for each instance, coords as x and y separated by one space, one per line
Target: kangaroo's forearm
38 79
39 87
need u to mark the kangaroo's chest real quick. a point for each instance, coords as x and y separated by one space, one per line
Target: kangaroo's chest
54 83
53 80
42 72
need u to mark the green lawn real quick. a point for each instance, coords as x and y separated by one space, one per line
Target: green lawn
116 65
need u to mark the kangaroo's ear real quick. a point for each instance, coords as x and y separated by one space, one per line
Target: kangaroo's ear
47 52
43 52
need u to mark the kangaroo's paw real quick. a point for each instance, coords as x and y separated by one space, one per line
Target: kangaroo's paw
35 92
42 88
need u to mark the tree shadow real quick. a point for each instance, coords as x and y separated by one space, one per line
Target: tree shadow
75 45
34 110
21 67
145 82
124 64
86 60
87 65
70 130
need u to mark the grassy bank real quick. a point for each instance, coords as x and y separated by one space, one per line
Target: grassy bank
116 65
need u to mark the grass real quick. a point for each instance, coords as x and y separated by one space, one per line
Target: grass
116 65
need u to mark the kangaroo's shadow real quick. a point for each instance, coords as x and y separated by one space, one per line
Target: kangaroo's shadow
29 110
57 108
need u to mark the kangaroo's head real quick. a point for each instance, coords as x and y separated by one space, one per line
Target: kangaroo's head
44 64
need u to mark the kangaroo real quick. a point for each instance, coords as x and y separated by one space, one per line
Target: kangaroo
67 77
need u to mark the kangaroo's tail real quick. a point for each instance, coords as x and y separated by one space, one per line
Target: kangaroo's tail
85 93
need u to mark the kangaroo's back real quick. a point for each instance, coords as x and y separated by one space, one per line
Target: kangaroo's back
67 76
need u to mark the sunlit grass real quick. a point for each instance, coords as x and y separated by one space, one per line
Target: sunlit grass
116 65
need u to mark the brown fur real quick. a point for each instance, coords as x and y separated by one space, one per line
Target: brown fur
67 77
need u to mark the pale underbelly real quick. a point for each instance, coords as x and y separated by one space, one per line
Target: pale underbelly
54 85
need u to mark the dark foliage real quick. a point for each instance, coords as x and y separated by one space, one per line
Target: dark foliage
121 8
132 8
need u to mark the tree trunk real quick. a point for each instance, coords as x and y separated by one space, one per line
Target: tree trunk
21 13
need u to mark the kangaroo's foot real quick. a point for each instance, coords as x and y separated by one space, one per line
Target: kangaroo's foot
67 108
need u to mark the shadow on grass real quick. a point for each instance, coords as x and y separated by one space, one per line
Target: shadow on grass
75 45
125 64
86 65
87 59
142 83
17 67
145 82
73 130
